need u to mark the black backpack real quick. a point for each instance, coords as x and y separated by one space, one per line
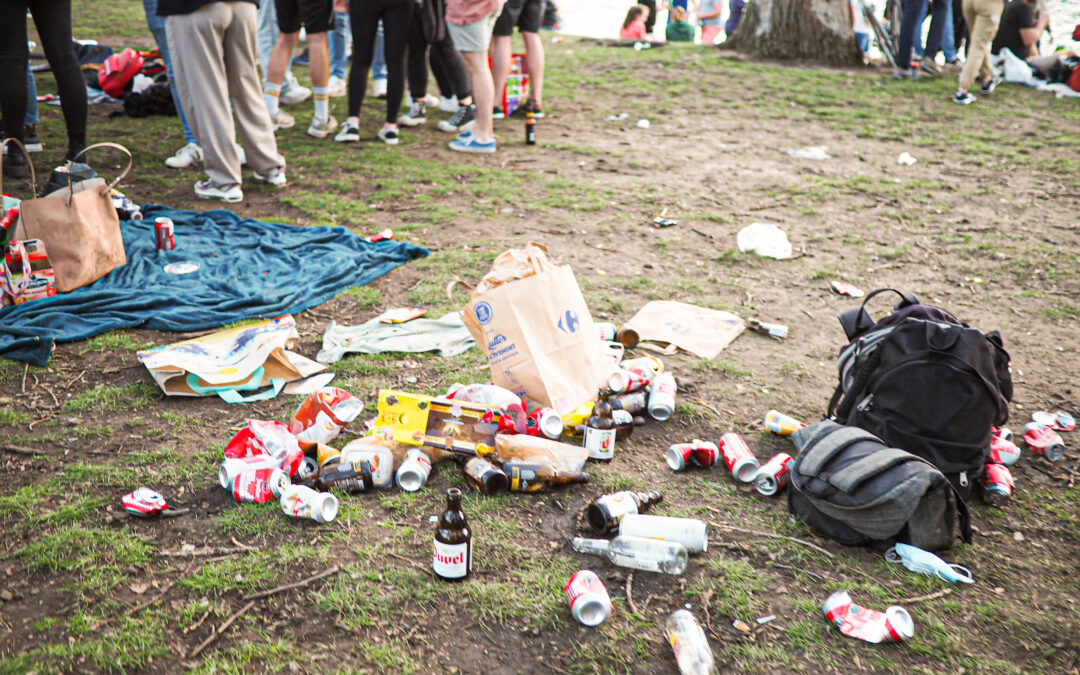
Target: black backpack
851 487
924 382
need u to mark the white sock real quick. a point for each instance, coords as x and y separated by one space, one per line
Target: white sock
272 92
321 96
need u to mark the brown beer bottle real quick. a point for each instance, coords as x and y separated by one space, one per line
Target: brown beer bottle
624 423
536 476
605 512
452 560
485 476
600 429
344 476
635 402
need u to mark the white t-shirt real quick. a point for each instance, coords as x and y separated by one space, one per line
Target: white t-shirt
860 19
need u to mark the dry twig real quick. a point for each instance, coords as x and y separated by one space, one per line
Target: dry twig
630 593
333 569
25 372
773 536
206 551
931 596
218 631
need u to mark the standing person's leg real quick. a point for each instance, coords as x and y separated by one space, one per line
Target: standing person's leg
53 21
395 22
197 40
650 21
416 73
501 52
909 24
936 36
254 126
191 152
735 14
472 40
289 22
31 140
364 22
453 68
378 64
291 91
918 50
532 15
982 17
948 40
14 58
339 49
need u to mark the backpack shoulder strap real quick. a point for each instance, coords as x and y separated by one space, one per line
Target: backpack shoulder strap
855 322
853 475
813 459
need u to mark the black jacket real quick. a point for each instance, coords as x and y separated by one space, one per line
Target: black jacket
172 7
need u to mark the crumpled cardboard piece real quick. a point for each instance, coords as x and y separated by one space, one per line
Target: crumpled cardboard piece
702 332
517 263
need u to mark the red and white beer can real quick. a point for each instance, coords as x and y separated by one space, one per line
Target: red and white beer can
702 453
740 461
997 485
774 475
892 625
1003 452
1044 441
259 486
544 421
589 601
163 234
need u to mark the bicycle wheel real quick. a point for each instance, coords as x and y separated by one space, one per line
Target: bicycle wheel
884 40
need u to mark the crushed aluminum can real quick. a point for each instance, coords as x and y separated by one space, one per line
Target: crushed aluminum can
696 452
776 330
1044 441
385 235
774 475
1003 452
780 424
997 485
1003 433
144 502
870 625
588 598
1064 421
544 422
664 222
737 456
258 486
844 288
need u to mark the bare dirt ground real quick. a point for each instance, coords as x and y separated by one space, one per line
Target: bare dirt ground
984 225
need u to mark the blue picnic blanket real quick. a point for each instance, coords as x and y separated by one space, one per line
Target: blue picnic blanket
247 269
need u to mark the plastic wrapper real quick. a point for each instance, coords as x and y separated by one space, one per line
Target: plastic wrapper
269 438
517 263
324 413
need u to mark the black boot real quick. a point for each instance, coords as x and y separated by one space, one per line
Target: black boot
15 164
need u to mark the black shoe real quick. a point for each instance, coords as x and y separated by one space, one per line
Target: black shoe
30 138
529 107
15 164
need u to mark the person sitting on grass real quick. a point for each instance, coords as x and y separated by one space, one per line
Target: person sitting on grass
633 27
679 29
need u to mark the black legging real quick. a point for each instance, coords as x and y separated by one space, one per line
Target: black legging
364 16
53 21
446 64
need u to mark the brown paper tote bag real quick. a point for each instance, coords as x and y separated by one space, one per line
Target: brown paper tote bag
79 226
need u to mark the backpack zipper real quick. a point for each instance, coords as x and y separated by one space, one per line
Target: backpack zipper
963 479
866 403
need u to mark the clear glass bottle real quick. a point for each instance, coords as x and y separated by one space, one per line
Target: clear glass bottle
649 555
687 639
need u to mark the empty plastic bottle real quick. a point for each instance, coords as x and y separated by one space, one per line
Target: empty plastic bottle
687 638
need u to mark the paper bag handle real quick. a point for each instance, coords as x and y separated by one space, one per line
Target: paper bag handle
457 283
233 396
115 146
33 174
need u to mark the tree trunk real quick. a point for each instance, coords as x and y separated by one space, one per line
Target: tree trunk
816 31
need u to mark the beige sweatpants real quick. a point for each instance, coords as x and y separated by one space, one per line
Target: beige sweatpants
982 17
213 54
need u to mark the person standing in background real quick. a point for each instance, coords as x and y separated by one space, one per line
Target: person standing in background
736 8
526 15
339 49
291 90
213 46
317 17
470 23
53 21
709 16
191 152
982 17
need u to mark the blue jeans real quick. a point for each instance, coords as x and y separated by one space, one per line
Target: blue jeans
863 39
941 36
378 63
339 45
156 24
31 96
911 26
735 14
266 38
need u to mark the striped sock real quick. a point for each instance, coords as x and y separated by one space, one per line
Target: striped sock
272 92
321 96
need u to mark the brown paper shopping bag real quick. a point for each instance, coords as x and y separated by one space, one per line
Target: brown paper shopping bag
539 338
80 228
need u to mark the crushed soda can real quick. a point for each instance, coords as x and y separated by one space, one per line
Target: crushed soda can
1003 433
1059 421
144 502
258 486
737 456
324 413
780 424
697 453
385 235
269 438
776 330
1003 452
870 625
544 421
774 475
1044 441
588 598
844 288
997 485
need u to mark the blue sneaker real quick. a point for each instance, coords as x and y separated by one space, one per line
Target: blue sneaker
465 135
470 144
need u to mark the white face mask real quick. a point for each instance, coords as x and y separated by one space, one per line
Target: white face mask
924 562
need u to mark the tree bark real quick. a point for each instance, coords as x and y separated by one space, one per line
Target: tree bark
815 31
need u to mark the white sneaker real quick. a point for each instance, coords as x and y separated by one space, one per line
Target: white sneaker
282 120
226 193
336 86
347 134
185 157
241 154
448 104
276 177
380 88
389 136
322 128
294 95
431 101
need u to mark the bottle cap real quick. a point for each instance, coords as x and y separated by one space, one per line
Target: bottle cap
324 507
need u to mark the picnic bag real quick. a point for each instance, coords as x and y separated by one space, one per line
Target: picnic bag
922 381
850 486
79 225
